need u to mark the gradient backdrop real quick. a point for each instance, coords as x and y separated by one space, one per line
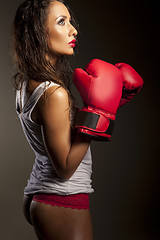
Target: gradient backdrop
126 179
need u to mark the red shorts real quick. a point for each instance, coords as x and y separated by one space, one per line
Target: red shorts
79 201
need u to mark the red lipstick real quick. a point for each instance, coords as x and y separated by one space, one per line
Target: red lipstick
72 43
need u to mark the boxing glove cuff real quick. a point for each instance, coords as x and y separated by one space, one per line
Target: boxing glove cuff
95 121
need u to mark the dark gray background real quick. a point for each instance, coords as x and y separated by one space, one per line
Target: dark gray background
126 202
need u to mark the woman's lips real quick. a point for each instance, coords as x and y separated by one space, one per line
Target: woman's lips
72 43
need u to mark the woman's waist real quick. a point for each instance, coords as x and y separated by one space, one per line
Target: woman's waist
43 167
49 174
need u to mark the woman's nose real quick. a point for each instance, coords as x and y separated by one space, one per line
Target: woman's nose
73 31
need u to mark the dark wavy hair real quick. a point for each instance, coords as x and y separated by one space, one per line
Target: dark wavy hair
29 44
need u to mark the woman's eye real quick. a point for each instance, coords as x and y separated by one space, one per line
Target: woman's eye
61 21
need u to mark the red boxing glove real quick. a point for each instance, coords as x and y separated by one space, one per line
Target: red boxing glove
132 82
100 86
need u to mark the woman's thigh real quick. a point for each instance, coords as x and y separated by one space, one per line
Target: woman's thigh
59 223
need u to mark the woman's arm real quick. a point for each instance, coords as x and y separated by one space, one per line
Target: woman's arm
65 154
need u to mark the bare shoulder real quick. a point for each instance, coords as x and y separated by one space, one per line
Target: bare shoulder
53 104
54 96
55 92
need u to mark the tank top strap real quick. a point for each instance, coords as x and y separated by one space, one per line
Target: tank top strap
29 104
37 93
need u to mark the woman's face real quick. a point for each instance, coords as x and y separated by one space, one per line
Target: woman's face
60 30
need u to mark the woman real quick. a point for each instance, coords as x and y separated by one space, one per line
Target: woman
56 197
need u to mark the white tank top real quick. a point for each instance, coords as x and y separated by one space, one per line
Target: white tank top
44 178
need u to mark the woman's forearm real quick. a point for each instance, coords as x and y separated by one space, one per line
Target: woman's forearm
77 152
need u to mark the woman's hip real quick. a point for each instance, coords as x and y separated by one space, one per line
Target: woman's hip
59 220
76 201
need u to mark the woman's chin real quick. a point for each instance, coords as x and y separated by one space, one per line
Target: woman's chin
70 53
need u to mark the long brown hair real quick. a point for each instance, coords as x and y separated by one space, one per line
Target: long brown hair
29 40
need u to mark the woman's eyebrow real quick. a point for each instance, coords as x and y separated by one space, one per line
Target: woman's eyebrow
62 16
